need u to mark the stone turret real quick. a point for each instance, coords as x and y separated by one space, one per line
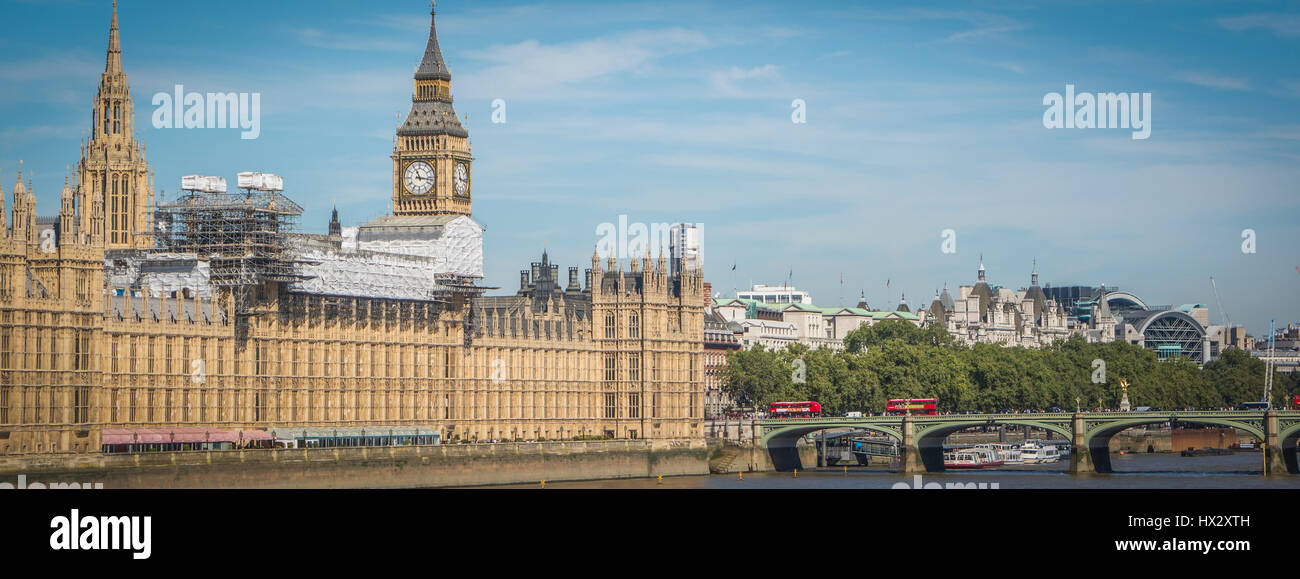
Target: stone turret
336 228
24 226
67 215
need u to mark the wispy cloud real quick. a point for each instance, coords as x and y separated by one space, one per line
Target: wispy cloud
1286 132
976 25
1284 25
317 38
728 82
531 69
1215 81
1011 66
23 135
46 78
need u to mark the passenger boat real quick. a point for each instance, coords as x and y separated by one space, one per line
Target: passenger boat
1034 452
967 458
962 459
1004 453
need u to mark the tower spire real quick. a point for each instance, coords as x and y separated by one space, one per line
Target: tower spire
114 65
432 66
432 159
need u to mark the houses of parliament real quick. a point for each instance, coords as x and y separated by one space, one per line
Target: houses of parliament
209 313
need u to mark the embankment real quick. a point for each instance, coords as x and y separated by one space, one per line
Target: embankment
356 468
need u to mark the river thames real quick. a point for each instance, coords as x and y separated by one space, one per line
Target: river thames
1132 471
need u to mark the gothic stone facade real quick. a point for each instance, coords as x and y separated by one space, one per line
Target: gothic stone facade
621 357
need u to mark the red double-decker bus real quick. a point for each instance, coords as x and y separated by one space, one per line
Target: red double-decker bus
794 409
915 407
1296 403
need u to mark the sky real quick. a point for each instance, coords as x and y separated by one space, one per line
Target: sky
919 119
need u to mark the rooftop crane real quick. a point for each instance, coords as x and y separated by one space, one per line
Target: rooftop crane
1268 367
1222 312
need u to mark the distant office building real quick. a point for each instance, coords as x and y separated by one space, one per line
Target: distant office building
721 338
1078 300
1171 332
776 326
776 295
684 244
985 313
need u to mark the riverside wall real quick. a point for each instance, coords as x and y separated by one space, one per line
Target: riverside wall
365 468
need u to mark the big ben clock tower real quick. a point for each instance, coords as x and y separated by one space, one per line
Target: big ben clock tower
432 165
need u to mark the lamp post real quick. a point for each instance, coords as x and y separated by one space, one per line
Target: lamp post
1077 401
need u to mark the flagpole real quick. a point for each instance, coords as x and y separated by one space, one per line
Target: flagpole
734 292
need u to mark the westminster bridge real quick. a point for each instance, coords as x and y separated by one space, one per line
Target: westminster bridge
921 437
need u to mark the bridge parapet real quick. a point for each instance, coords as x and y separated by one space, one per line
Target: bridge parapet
1089 432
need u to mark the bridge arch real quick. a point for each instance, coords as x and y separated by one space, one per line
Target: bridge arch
1098 433
780 442
1288 436
929 437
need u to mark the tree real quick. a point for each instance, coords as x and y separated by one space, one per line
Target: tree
870 336
1236 377
896 359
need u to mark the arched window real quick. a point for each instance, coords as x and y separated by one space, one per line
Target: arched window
105 115
117 119
117 216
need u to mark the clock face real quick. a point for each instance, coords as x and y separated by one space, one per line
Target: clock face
462 179
419 178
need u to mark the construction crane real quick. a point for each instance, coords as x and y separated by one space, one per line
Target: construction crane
1268 366
1222 312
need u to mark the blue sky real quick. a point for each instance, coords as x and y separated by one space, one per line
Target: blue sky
920 118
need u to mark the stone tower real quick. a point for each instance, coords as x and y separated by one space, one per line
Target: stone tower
432 165
113 173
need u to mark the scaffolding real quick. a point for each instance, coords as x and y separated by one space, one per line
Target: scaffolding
243 236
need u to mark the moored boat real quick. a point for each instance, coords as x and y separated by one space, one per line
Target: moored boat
1004 453
977 457
961 459
1034 452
